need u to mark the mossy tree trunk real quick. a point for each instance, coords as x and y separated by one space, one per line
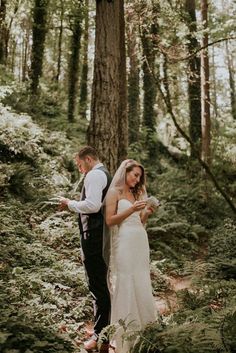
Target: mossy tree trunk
83 97
73 74
3 33
148 38
60 42
26 50
123 116
193 76
205 89
133 76
231 80
39 35
108 91
214 86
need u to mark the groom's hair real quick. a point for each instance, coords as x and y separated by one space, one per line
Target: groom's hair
88 151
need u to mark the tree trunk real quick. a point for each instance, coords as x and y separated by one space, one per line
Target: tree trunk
123 116
60 43
149 87
83 100
12 56
74 62
214 93
39 35
205 89
231 81
133 78
3 33
193 73
25 52
106 91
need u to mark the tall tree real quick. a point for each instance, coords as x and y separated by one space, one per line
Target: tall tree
133 76
39 35
62 10
214 84
3 32
231 80
205 88
108 84
193 74
74 58
148 39
83 98
26 26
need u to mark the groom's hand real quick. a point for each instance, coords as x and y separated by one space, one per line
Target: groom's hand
63 203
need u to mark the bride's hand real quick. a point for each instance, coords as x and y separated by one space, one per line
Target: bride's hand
149 210
139 205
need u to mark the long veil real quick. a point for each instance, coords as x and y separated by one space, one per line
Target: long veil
117 183
110 233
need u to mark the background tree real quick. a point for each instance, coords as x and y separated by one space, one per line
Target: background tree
39 35
193 76
122 113
149 33
3 45
73 71
62 10
205 87
231 72
132 33
83 97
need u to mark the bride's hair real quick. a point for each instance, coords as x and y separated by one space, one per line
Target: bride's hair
139 188
119 178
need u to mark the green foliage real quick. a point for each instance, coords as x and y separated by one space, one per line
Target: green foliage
42 280
192 332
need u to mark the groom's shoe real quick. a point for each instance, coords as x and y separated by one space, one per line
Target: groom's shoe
104 348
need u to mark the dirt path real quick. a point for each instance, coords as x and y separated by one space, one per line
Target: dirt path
168 302
165 304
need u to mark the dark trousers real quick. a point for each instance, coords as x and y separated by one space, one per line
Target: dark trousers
96 270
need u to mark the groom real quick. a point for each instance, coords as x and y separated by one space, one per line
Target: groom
96 184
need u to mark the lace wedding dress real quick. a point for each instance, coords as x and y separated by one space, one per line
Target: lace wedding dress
131 291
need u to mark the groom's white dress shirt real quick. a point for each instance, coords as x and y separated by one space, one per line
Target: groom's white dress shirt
95 182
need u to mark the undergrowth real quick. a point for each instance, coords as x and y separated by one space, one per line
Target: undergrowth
44 297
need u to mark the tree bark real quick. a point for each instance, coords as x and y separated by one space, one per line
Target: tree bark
39 35
74 62
83 99
107 91
205 89
3 33
193 74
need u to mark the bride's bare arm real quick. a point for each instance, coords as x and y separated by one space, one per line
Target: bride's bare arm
112 218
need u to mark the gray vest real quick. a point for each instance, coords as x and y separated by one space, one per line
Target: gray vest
89 222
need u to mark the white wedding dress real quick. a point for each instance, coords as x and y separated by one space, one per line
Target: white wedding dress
131 291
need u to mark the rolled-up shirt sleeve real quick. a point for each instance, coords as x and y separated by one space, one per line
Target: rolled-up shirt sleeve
94 182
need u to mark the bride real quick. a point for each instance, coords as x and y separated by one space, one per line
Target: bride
132 303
